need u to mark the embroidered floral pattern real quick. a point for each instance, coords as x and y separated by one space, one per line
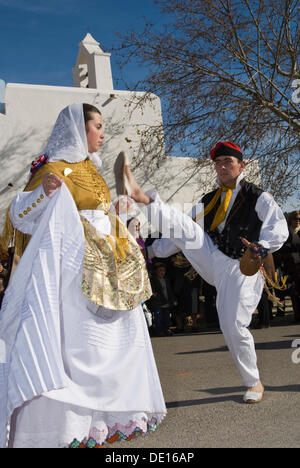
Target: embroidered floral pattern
110 279
118 432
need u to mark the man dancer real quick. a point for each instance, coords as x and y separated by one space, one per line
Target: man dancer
236 216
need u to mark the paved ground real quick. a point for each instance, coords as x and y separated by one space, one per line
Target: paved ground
204 395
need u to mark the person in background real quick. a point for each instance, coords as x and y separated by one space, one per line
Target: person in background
264 315
211 315
163 300
288 260
134 227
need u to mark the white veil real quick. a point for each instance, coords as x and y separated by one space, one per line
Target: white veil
67 141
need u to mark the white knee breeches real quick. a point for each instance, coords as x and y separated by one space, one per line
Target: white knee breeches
237 295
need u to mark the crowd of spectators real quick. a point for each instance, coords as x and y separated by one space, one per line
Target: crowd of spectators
179 300
287 261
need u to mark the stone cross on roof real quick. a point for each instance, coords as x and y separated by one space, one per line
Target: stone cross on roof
92 69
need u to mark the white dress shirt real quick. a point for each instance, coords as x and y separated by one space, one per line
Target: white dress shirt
273 233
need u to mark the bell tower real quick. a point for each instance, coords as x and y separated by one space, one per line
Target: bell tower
2 96
92 69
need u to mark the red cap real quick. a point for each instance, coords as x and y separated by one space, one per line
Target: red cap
226 148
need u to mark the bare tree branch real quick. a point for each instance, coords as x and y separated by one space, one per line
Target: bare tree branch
224 69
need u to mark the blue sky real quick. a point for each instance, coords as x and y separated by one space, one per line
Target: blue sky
39 39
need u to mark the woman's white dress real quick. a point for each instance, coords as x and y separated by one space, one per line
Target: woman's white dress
69 370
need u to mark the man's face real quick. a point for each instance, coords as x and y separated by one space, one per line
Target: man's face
228 169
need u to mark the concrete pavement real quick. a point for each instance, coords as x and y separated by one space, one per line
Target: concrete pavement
203 392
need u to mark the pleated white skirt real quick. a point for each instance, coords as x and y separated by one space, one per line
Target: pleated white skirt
113 388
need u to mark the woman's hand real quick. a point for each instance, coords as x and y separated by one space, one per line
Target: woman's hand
123 205
51 182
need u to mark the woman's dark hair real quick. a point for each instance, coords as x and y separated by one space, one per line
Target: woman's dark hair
88 109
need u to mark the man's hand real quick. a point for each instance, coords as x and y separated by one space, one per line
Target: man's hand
51 182
257 250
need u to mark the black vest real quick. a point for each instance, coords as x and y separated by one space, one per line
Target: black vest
242 221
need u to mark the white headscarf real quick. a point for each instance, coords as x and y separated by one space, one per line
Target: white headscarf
67 141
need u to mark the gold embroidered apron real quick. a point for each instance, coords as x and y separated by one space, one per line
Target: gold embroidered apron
114 269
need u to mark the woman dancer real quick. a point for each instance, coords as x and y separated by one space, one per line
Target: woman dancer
76 362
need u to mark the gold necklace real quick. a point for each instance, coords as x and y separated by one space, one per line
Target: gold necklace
89 179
